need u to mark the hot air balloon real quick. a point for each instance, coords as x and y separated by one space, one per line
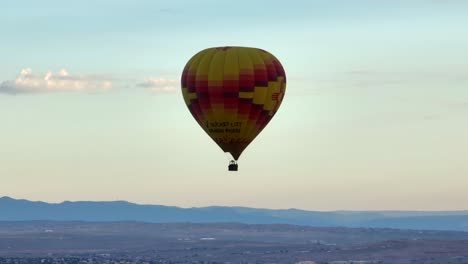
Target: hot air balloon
233 92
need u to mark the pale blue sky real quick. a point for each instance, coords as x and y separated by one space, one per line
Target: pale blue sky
375 115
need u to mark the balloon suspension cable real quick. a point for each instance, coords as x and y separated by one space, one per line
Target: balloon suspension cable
229 156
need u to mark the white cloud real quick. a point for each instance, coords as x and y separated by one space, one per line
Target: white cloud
160 85
27 82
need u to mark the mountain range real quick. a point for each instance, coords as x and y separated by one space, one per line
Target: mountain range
117 211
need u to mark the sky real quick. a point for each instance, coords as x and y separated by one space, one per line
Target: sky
375 115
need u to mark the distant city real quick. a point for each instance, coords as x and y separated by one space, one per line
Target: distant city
137 242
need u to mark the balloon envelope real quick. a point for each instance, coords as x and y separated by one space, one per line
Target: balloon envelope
233 92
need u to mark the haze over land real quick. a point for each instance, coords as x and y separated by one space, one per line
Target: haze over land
123 232
24 210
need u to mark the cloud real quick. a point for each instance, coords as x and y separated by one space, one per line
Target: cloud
160 85
27 82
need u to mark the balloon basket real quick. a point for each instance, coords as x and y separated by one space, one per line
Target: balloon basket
233 166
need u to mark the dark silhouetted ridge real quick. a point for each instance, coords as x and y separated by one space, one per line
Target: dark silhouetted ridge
113 211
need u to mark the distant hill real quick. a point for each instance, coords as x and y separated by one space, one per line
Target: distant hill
24 210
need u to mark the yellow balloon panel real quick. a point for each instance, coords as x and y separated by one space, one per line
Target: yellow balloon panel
233 92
